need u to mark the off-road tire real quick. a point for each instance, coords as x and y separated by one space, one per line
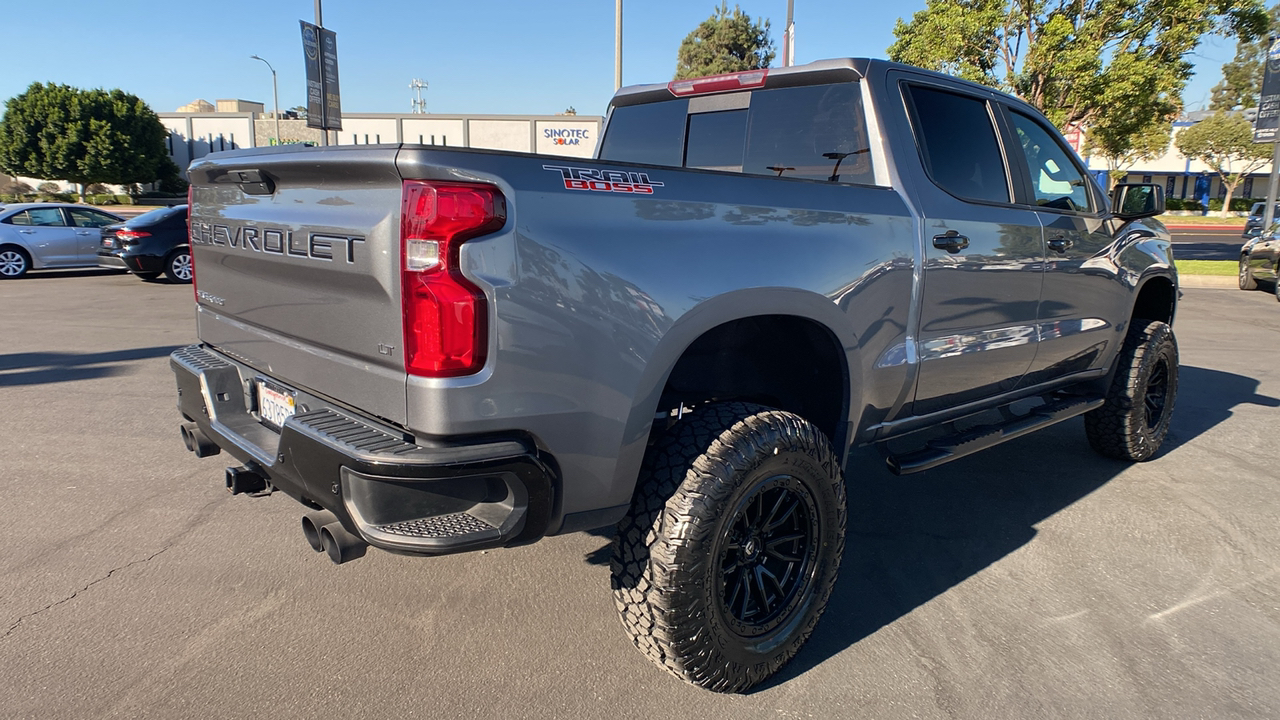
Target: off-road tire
696 496
1135 419
1245 275
178 268
14 262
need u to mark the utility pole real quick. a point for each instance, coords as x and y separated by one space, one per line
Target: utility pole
789 37
324 132
419 105
617 52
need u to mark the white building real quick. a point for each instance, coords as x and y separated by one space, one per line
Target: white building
192 135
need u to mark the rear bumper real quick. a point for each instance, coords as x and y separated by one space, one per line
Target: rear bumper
397 494
122 258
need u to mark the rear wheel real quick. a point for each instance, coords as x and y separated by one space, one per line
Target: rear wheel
14 262
1135 419
727 558
1246 275
177 267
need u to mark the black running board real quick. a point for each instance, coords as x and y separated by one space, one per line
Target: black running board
943 450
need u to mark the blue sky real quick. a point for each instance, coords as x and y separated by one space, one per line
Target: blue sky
491 56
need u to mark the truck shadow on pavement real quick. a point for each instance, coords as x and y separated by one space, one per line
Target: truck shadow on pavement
910 539
39 368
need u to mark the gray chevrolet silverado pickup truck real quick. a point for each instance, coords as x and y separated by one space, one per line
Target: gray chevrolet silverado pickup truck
439 350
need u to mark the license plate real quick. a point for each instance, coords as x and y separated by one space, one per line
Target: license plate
275 404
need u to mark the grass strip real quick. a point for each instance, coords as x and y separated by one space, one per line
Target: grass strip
1207 267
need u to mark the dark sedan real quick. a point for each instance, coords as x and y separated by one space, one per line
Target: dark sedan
150 244
1260 260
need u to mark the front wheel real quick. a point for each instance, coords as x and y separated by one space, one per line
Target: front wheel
730 551
178 266
1246 275
1135 419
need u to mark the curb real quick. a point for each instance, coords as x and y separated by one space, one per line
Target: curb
1219 282
1205 227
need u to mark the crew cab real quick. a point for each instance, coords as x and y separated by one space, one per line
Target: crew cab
440 349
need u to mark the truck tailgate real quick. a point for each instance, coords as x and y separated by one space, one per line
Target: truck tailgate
297 269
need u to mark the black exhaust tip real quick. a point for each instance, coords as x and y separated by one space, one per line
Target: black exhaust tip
244 480
340 545
196 442
311 524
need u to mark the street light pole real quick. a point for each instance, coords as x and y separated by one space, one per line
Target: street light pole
275 96
617 48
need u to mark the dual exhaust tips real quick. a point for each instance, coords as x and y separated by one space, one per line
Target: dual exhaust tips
324 533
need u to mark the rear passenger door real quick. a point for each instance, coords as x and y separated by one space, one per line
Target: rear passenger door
983 252
1083 294
47 236
88 224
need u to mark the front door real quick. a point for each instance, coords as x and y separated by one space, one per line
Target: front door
45 233
1083 294
984 254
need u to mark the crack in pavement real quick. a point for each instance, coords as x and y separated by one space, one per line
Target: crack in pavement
73 595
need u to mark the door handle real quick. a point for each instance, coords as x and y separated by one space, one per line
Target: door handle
951 241
27 232
87 232
1060 244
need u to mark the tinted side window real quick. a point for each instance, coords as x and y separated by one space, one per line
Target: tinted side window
652 134
1055 179
90 218
47 217
958 144
815 132
717 140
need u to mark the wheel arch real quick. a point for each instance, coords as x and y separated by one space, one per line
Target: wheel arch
799 315
33 262
1156 299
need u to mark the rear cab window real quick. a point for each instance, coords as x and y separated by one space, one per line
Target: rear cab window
957 142
809 132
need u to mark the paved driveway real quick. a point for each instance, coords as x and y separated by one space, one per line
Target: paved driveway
1035 580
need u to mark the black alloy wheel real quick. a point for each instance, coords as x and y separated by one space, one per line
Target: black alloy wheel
1134 421
767 557
731 548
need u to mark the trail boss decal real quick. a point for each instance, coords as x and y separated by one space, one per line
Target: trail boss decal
594 179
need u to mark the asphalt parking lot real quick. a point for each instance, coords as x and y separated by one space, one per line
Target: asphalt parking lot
1033 580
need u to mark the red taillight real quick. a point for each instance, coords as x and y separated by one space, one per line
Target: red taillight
445 315
718 83
126 235
191 247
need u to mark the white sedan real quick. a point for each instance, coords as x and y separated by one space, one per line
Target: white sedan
49 235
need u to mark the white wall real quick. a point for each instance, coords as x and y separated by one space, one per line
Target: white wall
367 131
444 132
500 135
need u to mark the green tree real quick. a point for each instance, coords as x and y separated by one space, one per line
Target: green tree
1077 61
1224 142
1241 83
1122 150
83 136
728 41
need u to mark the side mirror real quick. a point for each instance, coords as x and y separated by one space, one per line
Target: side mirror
1137 200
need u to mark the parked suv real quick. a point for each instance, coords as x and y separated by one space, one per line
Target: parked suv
1253 226
155 242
